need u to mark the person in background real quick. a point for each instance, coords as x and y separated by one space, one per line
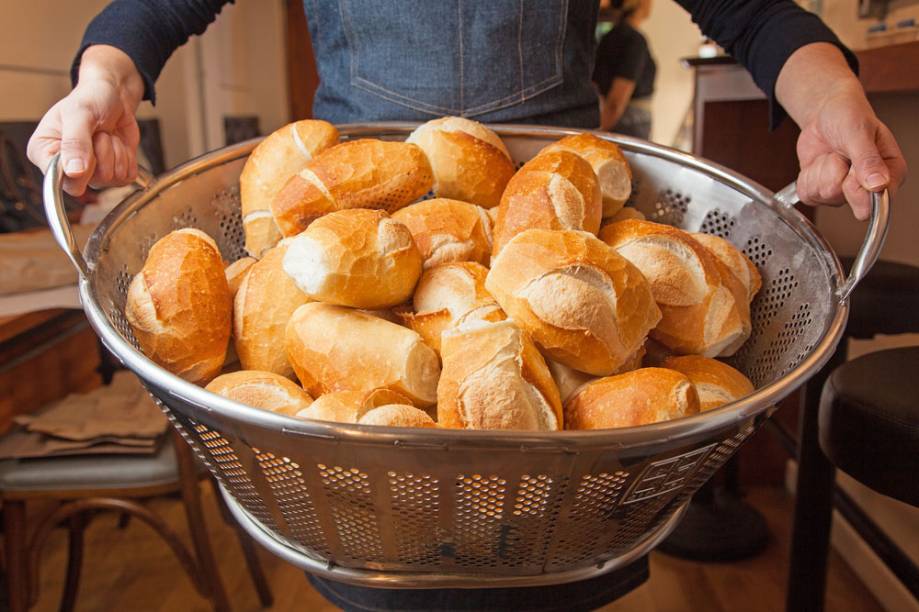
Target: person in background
624 72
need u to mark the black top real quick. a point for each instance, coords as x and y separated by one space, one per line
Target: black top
761 34
623 52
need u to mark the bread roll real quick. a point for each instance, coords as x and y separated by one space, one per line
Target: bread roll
336 349
494 378
739 264
556 190
626 212
583 304
447 293
350 406
448 230
264 303
640 397
179 305
265 390
397 415
236 272
701 314
363 173
609 164
357 257
469 161
716 382
568 380
278 157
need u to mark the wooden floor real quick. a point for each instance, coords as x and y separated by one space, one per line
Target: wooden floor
131 569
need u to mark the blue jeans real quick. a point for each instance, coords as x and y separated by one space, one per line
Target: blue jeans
571 597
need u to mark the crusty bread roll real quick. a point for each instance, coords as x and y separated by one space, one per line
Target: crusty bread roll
363 173
639 397
556 190
397 415
265 390
278 157
568 380
179 305
337 349
448 293
716 382
469 161
613 171
739 264
357 257
583 304
350 406
626 212
264 303
495 378
701 314
236 272
448 230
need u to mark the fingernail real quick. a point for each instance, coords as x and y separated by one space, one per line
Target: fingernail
875 181
74 166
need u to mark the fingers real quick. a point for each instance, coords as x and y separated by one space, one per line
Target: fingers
861 147
821 181
105 160
857 196
76 147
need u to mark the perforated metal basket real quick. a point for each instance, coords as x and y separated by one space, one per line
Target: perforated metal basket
423 508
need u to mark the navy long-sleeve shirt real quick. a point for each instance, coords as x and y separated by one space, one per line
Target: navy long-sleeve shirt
760 34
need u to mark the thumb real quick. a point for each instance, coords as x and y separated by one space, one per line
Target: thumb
869 168
77 141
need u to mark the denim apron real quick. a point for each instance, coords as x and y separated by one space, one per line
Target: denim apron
496 61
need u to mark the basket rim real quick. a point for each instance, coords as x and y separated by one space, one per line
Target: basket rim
215 407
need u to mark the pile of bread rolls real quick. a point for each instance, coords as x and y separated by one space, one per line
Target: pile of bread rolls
513 300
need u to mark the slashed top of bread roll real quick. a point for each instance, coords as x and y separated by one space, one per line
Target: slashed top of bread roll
613 171
739 264
364 173
584 305
446 294
236 272
357 257
639 397
338 349
179 305
397 415
278 157
350 406
265 390
716 382
701 313
556 190
494 378
469 161
448 230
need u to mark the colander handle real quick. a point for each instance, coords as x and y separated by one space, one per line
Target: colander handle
57 213
878 224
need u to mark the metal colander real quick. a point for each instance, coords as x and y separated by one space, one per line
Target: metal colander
424 508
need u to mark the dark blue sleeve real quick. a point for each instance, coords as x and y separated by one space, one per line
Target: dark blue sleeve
148 31
762 35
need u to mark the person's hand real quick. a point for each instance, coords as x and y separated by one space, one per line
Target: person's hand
94 127
844 150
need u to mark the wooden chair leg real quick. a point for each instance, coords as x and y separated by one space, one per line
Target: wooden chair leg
14 543
191 498
74 562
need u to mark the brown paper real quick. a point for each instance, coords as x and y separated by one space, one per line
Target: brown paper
33 260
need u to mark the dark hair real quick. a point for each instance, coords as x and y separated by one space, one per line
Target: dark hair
624 8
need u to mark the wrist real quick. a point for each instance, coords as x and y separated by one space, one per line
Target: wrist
115 67
813 75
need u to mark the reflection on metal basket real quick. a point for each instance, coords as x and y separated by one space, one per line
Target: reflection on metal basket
389 507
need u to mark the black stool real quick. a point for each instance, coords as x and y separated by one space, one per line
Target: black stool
886 302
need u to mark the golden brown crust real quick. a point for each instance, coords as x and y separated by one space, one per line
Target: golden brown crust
639 397
716 382
333 348
397 415
358 257
448 230
739 264
609 164
265 390
179 306
236 272
365 173
626 212
264 303
556 190
350 406
468 160
495 378
583 304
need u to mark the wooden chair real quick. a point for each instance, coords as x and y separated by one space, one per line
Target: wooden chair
87 484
